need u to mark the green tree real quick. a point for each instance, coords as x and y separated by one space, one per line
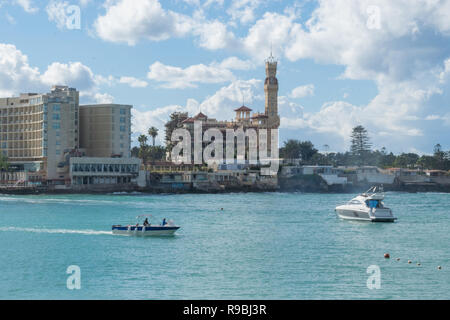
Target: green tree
296 149
291 149
307 151
361 145
157 153
153 132
175 121
143 152
427 162
406 160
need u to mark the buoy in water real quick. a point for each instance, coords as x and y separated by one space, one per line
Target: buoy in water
409 261
418 263
387 255
398 259
439 267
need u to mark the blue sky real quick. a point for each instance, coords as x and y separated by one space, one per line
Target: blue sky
379 63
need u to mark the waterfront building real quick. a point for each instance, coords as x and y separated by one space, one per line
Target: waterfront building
374 175
244 119
88 173
105 130
37 130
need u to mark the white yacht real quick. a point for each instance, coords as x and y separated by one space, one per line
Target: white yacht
367 206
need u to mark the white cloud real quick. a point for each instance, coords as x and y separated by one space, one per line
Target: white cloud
234 63
222 103
103 98
432 117
213 35
176 77
16 75
243 10
272 30
74 74
133 82
27 5
302 91
130 20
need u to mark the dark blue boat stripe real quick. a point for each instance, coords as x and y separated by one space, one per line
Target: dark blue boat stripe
147 229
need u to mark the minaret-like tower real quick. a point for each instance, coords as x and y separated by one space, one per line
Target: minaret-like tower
271 91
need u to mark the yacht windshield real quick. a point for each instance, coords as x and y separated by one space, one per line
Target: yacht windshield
373 203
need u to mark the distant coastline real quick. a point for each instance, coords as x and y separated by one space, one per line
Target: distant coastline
304 184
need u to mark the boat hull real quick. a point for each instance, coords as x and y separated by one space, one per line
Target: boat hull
140 231
359 215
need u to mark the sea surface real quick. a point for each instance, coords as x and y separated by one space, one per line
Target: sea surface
260 246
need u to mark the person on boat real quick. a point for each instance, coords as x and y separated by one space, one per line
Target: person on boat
164 222
146 224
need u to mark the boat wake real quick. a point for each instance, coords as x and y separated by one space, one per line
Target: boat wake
55 231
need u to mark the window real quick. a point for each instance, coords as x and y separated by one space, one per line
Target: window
56 116
56 125
58 152
122 119
123 112
123 128
56 107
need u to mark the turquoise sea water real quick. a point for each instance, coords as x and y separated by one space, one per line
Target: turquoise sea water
261 246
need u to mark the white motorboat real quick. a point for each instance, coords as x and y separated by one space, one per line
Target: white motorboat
367 206
146 229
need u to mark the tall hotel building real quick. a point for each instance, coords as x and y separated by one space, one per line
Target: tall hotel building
36 130
105 130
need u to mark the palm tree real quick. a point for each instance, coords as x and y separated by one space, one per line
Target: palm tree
153 132
143 150
142 140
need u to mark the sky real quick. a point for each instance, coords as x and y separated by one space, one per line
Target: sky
382 64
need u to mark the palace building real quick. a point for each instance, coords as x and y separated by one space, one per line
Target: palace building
245 119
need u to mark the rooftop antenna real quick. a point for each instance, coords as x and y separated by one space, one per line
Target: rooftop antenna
271 58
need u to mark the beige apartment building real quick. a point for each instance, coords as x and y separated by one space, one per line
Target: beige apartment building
38 130
105 130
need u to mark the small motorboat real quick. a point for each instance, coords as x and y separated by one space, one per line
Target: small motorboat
367 206
146 229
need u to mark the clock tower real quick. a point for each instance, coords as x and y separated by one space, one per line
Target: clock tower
271 91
